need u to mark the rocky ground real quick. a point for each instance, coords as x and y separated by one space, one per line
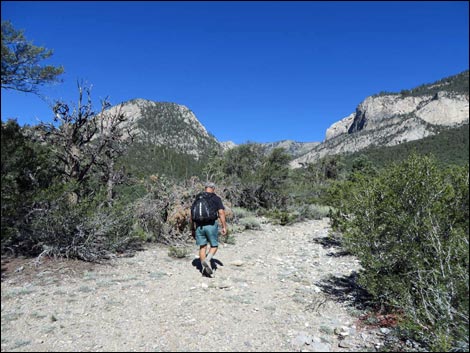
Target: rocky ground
276 289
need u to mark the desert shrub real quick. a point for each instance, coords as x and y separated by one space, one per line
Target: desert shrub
239 213
250 223
178 252
228 239
163 214
150 217
310 211
281 217
297 213
409 228
88 229
26 168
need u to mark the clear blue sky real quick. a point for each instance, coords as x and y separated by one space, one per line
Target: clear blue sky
250 71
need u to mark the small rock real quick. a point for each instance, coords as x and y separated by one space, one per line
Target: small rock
385 330
237 263
301 339
347 343
342 331
319 347
326 329
316 289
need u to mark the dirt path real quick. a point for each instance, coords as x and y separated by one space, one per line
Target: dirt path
276 289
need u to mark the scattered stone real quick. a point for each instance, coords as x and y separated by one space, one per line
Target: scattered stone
346 343
224 285
326 329
342 331
319 347
385 330
316 289
237 263
302 339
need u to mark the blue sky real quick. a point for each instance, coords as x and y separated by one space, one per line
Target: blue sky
250 71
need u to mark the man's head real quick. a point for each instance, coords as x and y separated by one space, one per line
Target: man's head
209 186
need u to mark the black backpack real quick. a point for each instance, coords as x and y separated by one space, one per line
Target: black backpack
203 209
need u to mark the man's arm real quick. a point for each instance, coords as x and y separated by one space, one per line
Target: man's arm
222 220
192 226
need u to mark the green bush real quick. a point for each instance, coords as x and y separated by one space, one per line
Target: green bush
178 252
311 211
26 168
239 213
409 228
228 239
250 223
281 217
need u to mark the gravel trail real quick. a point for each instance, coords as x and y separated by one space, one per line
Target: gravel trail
275 289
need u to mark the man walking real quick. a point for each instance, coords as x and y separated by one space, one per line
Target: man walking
205 211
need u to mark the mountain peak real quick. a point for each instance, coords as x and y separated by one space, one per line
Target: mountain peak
167 124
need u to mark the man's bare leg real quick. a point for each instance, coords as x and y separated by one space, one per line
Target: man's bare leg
206 259
202 252
211 253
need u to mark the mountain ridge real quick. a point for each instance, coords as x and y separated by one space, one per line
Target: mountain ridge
383 119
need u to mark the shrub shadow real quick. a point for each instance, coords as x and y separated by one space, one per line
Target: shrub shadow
346 290
329 242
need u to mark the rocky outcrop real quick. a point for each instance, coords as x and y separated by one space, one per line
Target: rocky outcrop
387 120
442 109
227 145
293 148
339 128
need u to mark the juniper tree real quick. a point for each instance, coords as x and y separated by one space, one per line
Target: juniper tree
21 68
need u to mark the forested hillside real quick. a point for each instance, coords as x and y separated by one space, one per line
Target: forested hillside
450 146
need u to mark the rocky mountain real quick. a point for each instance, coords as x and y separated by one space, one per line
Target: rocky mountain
388 119
169 125
228 145
294 148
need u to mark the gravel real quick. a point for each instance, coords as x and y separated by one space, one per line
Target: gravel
275 289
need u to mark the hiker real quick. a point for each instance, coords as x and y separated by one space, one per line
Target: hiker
205 211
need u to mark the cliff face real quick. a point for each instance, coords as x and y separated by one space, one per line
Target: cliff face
390 119
442 109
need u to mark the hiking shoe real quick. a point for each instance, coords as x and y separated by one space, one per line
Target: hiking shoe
206 267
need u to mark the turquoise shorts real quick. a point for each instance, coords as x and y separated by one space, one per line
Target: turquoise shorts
208 234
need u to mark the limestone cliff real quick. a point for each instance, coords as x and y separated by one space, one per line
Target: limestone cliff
393 118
